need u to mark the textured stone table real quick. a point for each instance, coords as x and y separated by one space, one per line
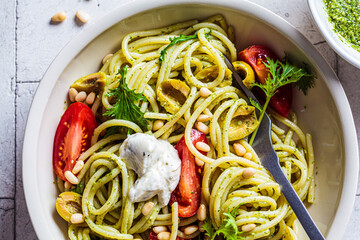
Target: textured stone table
28 44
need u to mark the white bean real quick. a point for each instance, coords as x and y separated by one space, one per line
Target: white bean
81 96
77 218
59 17
72 94
146 209
248 227
78 166
201 213
157 125
248 173
248 155
190 229
82 16
203 118
239 149
205 92
163 236
90 98
71 178
159 229
199 162
202 127
202 147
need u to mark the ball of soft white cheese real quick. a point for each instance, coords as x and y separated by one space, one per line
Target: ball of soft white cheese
157 164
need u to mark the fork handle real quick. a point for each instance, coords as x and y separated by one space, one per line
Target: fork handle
295 202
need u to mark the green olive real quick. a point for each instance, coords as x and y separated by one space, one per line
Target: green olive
243 123
67 204
172 94
246 72
94 82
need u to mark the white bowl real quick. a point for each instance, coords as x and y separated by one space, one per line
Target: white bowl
343 48
327 114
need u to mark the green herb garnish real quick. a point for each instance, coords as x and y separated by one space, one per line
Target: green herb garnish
228 227
175 40
79 188
125 107
280 74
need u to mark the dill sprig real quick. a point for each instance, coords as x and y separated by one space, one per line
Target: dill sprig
281 74
228 227
126 107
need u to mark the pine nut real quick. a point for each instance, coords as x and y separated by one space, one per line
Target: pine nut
82 16
81 96
239 149
202 127
202 147
190 229
203 118
248 173
107 56
201 213
159 229
72 94
157 125
205 92
201 228
71 178
146 209
163 236
90 98
77 218
248 227
67 185
248 155
199 162
78 166
59 17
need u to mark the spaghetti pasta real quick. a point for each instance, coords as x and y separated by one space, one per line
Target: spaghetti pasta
198 63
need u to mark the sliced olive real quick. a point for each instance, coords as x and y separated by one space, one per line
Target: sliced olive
243 123
67 204
246 72
94 82
172 94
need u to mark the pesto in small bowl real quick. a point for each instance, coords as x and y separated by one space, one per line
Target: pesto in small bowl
344 15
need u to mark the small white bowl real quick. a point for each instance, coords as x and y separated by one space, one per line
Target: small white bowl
324 112
343 48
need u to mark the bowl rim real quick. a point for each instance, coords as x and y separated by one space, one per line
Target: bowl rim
331 37
127 9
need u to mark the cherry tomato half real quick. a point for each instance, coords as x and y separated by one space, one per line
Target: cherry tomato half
255 56
188 191
72 137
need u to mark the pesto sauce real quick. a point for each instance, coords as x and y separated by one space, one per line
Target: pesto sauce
345 18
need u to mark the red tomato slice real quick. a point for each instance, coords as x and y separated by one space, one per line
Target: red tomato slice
72 137
188 191
255 56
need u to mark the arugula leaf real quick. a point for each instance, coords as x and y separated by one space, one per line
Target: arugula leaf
125 107
175 40
228 227
280 74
